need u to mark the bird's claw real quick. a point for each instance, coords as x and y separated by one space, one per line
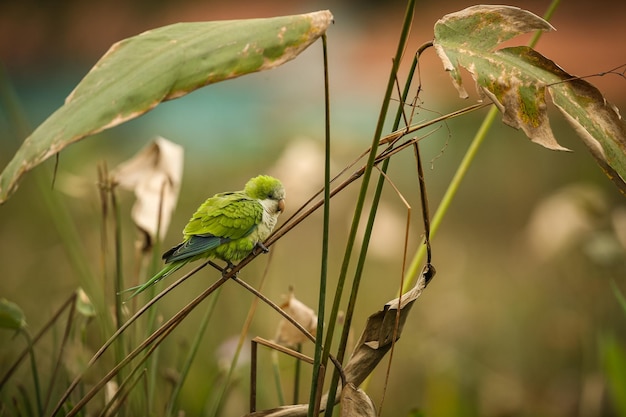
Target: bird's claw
229 267
260 247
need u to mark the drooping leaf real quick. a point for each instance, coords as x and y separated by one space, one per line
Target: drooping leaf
354 402
138 73
154 174
380 329
516 79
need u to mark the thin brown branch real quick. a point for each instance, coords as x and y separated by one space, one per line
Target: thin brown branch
287 317
392 138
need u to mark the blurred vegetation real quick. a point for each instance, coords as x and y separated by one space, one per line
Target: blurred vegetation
510 326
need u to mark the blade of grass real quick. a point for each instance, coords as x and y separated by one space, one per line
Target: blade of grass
446 201
152 315
195 345
71 303
120 343
296 377
34 371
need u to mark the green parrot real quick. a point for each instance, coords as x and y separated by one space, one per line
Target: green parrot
227 226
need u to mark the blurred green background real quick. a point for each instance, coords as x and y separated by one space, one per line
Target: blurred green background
515 320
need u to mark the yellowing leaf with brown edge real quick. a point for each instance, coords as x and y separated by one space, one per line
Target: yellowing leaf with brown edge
517 79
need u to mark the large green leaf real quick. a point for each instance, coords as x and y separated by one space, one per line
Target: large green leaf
138 73
516 80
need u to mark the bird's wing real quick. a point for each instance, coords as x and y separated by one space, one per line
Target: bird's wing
227 215
193 246
220 219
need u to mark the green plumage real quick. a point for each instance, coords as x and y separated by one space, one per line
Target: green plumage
227 226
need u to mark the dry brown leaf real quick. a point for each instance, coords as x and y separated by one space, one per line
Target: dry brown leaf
154 174
354 402
377 337
374 343
287 334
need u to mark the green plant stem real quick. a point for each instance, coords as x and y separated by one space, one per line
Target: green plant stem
119 281
408 18
321 355
195 345
33 367
366 239
414 269
277 382
152 314
547 16
296 376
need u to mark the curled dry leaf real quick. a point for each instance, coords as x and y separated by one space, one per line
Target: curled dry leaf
154 174
287 334
354 402
375 342
377 337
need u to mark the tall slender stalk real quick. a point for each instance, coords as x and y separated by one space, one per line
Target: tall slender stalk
406 27
35 372
318 358
366 239
470 155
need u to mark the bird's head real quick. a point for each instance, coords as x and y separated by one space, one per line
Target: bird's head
265 187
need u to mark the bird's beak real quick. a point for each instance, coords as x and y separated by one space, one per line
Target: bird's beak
281 206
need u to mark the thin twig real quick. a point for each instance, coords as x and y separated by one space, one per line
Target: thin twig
287 317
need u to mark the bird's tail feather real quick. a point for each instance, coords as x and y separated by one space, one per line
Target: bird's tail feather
167 269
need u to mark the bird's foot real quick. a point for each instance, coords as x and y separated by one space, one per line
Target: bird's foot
260 247
229 267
